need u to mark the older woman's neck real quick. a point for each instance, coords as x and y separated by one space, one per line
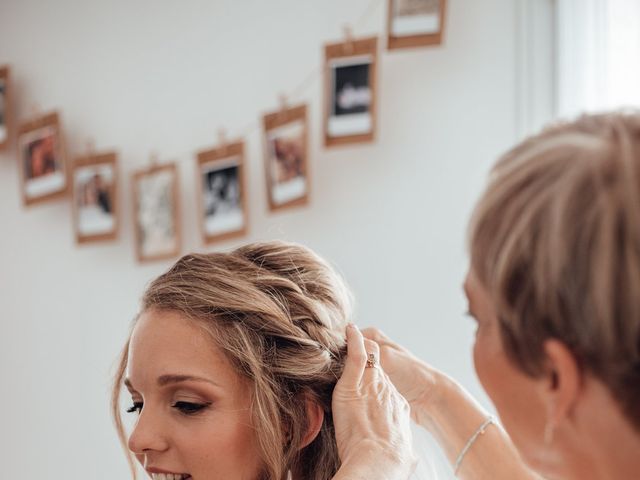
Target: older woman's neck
604 444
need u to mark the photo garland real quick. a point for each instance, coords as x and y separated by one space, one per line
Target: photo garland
350 91
221 190
5 107
350 116
415 23
156 213
95 199
286 158
43 163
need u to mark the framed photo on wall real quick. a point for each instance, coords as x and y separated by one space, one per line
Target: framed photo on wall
350 91
415 23
221 193
43 163
5 120
95 199
156 213
286 157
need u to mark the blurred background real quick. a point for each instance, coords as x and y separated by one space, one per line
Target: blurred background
391 215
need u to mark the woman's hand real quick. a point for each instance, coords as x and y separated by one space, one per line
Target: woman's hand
371 418
443 407
415 380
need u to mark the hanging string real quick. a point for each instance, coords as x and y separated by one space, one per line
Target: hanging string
316 74
371 9
309 80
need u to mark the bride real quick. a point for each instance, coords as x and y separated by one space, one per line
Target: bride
232 366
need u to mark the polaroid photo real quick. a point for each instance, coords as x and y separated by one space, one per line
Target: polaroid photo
4 106
286 163
351 97
223 210
42 160
415 23
351 92
156 213
95 208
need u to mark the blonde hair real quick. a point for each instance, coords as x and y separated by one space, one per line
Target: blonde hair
555 239
278 313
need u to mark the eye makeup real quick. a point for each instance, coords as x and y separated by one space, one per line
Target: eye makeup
187 408
136 407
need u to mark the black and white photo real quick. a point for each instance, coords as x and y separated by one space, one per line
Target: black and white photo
351 101
221 196
350 108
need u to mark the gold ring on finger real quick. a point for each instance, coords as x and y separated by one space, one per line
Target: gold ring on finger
371 361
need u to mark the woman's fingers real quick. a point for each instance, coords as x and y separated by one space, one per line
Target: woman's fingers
356 358
371 419
379 337
414 379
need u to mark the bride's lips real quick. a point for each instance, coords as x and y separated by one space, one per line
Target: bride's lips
161 474
169 476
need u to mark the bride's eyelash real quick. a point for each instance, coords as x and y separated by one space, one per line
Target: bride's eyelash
187 408
136 407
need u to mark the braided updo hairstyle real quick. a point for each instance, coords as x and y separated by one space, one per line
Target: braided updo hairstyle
278 313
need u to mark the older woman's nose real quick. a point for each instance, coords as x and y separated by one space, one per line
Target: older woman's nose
148 434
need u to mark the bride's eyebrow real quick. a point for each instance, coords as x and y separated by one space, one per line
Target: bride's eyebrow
174 378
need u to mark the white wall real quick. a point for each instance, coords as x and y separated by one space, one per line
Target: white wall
164 76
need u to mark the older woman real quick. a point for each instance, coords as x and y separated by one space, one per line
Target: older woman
554 287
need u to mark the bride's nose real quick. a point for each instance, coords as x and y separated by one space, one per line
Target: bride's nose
148 433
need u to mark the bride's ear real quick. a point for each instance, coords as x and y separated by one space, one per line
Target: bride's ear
315 417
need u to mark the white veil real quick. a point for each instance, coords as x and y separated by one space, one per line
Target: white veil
432 462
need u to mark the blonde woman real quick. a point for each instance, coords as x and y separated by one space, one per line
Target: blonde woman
232 369
554 286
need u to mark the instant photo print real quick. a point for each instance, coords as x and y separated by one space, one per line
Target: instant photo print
221 187
156 213
4 107
350 100
286 163
415 23
95 205
43 164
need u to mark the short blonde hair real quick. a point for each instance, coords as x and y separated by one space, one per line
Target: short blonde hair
555 239
278 312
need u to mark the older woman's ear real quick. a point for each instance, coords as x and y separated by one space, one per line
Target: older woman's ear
563 385
315 418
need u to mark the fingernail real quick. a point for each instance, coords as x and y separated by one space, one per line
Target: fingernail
352 326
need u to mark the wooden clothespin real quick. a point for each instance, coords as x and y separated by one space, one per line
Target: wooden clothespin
284 104
222 139
348 39
153 159
35 111
91 147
